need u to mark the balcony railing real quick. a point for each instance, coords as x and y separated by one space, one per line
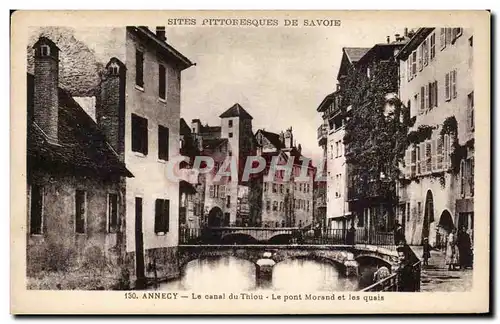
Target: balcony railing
322 133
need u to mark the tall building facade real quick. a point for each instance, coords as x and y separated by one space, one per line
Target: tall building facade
226 197
286 202
334 111
138 108
436 83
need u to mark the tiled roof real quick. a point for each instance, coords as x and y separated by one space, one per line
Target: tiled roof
355 53
236 111
81 145
213 143
273 138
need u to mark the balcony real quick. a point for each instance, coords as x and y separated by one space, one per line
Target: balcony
322 134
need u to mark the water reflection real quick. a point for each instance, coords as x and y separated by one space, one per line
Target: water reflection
230 273
310 275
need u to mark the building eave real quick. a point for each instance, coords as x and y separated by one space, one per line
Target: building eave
171 51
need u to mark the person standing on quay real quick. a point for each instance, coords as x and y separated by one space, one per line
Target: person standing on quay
464 248
427 252
451 257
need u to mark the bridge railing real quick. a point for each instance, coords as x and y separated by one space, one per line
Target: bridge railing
298 236
396 282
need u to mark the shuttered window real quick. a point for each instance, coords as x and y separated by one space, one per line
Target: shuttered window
433 45
428 156
453 82
447 90
162 216
442 38
162 81
163 140
422 100
439 153
139 68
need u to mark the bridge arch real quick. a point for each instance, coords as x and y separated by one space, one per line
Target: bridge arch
283 238
339 265
238 238
428 215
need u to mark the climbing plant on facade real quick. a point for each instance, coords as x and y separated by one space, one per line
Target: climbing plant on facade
376 132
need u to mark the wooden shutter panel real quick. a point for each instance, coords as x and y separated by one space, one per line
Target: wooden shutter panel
407 170
422 99
166 215
420 56
442 38
454 83
439 153
422 158
433 154
427 96
211 189
447 86
436 97
158 212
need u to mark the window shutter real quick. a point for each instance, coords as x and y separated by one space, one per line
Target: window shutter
420 56
454 83
433 155
407 164
408 68
222 193
446 152
442 38
422 156
158 211
418 156
433 46
427 95
447 86
448 35
211 191
426 52
422 100
439 153
436 94
414 64
166 215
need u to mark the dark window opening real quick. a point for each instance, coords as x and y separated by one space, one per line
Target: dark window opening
162 216
163 138
80 211
139 68
113 213
162 82
139 134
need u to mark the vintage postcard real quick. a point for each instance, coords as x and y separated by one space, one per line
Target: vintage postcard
250 162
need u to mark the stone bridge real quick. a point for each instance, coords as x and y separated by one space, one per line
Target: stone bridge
346 257
253 234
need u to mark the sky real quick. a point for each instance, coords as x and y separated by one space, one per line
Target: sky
279 75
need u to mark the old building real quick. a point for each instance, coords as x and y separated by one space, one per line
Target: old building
227 198
285 201
330 138
191 185
75 193
436 73
139 110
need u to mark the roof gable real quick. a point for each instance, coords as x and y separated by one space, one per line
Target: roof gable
236 111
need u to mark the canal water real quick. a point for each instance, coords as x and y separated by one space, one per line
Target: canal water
230 273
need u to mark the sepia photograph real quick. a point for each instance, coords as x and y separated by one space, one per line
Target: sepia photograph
265 157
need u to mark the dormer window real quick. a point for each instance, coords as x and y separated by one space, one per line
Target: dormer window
44 50
113 68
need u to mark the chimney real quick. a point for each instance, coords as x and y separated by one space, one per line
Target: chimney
160 33
46 88
388 39
406 31
111 105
